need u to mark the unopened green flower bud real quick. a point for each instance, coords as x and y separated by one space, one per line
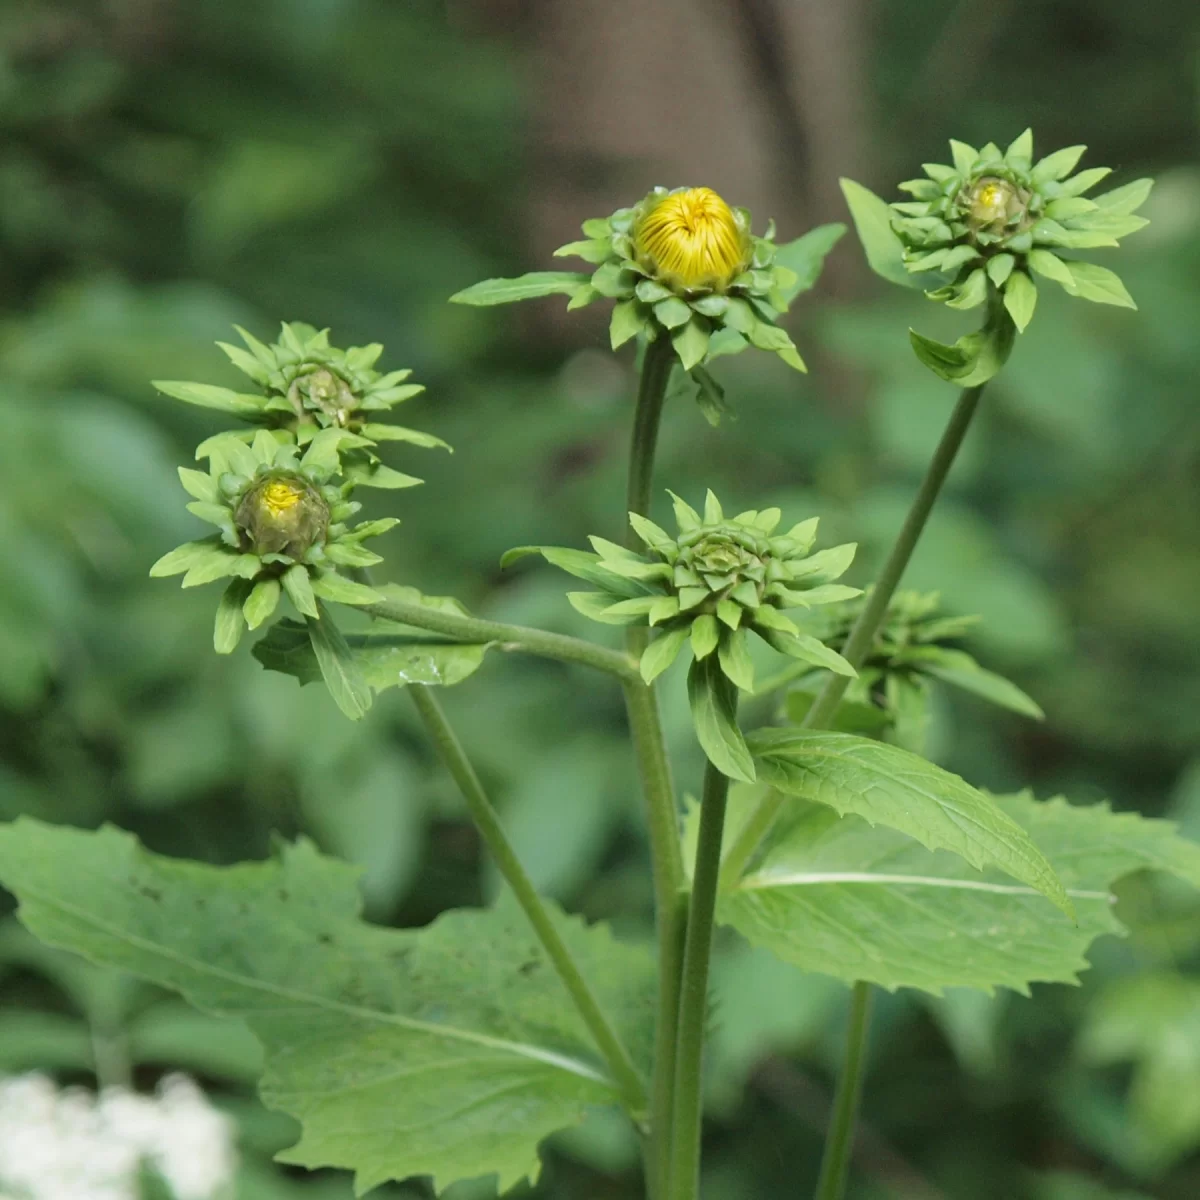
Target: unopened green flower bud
282 513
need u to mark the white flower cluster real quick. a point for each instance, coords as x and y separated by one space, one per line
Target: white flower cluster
75 1145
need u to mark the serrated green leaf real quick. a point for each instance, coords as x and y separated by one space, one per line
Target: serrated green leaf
1020 299
338 669
889 786
883 248
837 896
450 1050
525 287
713 700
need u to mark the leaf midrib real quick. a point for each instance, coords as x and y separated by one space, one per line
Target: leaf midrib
450 1032
763 880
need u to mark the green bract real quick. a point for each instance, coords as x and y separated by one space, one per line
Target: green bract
709 587
891 696
993 220
306 385
282 527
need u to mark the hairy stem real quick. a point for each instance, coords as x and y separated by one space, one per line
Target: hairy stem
835 1163
662 819
508 637
858 644
625 1074
693 994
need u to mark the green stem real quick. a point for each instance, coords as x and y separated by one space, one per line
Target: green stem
693 995
652 392
625 1074
835 1163
508 637
670 903
858 644
662 819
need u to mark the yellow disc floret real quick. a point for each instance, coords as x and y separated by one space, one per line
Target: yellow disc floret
279 495
691 239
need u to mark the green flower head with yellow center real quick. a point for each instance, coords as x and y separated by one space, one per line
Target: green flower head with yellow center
281 520
305 385
994 219
684 269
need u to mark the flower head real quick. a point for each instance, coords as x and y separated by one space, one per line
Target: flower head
712 584
306 385
682 265
691 240
915 647
281 520
985 223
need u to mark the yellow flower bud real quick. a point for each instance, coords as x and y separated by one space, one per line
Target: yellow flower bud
282 514
691 239
993 203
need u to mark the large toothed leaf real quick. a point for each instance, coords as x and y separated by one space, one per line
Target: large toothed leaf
837 896
448 1051
889 786
525 287
387 654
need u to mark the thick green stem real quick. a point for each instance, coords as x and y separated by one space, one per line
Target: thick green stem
508 637
662 819
858 644
835 1163
625 1074
693 995
652 392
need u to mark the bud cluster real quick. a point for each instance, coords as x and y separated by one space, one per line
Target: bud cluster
683 264
913 648
719 579
989 220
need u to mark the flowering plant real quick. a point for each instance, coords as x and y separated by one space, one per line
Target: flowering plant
452 1050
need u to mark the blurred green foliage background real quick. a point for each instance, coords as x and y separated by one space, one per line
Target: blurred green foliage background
169 167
